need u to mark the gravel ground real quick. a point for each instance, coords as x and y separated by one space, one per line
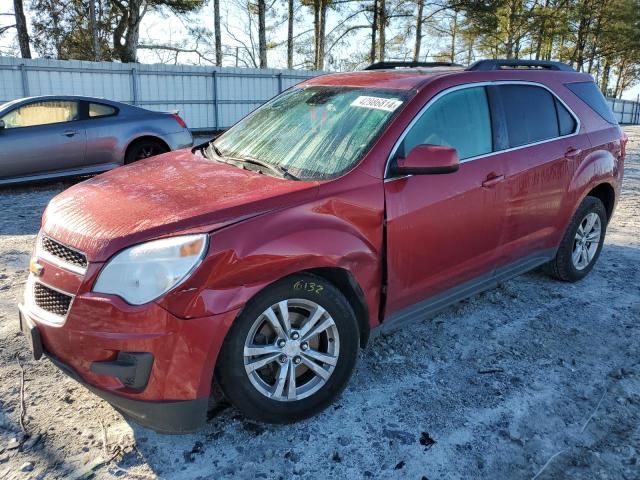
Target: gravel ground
535 379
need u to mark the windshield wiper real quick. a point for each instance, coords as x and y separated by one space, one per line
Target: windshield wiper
277 169
212 147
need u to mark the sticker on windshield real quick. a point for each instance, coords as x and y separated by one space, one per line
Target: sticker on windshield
378 103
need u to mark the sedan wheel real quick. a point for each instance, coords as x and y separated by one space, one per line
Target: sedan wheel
147 151
144 148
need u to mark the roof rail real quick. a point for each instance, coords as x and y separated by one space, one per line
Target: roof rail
391 65
484 65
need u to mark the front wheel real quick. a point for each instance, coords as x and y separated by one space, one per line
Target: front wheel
582 242
291 352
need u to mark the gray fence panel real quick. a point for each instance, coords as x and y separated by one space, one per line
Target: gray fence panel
627 112
206 97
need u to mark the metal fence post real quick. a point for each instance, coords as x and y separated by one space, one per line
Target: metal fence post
134 85
279 82
25 79
215 101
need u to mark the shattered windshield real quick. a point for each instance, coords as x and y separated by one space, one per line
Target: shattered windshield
312 133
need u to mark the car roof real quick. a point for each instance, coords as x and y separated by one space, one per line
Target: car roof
415 78
393 79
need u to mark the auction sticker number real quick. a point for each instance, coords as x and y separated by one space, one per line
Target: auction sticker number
308 286
377 103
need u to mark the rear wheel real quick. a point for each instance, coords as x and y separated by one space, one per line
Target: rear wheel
145 148
291 352
582 242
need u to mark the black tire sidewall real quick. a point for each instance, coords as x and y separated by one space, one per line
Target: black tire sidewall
230 371
564 263
132 151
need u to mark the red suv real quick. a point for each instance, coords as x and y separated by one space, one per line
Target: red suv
261 261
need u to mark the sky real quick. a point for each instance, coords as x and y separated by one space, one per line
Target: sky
166 29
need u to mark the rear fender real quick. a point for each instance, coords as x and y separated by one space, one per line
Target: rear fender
598 167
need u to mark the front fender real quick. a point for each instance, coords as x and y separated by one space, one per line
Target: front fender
248 256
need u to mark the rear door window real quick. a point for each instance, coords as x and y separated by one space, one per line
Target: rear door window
460 119
530 113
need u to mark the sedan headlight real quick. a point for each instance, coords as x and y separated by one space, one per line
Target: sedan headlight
144 272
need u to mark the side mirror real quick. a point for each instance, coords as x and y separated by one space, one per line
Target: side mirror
428 160
2 125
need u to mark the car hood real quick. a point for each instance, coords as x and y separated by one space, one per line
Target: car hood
177 192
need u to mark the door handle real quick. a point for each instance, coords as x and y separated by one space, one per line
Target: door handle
492 181
70 133
572 152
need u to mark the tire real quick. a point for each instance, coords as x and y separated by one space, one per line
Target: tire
564 266
146 148
264 393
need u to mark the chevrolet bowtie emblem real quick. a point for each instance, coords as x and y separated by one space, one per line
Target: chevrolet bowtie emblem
35 267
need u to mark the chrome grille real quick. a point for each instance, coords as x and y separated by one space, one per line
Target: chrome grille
64 253
51 300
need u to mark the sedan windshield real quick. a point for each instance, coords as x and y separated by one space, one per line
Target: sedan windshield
313 133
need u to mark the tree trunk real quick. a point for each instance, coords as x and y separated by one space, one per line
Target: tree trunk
319 21
584 27
596 35
323 25
416 49
618 91
604 80
454 33
317 5
290 36
21 26
218 34
94 30
128 27
132 35
382 29
542 30
374 31
262 33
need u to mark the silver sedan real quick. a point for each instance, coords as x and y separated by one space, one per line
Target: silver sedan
50 137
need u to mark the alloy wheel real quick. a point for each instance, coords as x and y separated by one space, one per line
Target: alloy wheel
147 151
291 350
586 241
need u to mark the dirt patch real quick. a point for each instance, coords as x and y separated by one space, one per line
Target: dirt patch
536 377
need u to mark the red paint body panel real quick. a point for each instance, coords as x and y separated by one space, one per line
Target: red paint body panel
413 233
342 229
429 218
167 194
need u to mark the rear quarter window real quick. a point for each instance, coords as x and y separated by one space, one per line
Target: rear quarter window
566 122
589 93
97 110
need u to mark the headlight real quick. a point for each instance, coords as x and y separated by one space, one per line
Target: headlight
144 272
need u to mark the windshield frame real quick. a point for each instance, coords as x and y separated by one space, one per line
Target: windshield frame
405 96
